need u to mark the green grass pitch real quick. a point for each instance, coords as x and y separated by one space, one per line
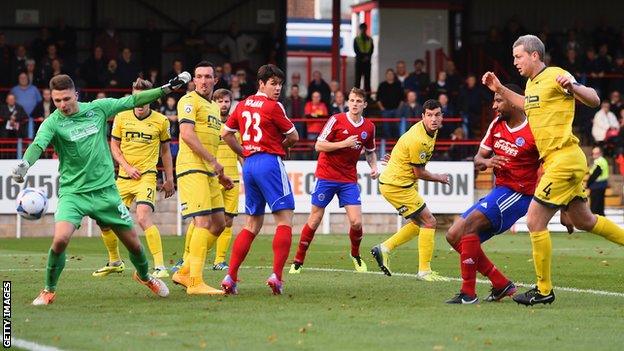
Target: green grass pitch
322 310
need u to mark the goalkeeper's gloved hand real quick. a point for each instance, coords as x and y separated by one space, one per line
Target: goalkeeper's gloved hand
177 82
19 171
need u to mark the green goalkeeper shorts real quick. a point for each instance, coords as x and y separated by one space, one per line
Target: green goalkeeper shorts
104 205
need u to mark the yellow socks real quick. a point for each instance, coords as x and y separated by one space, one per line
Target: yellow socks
425 248
542 255
608 230
201 241
187 239
152 235
110 241
223 243
405 234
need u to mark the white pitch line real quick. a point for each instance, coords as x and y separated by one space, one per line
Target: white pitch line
32 346
398 274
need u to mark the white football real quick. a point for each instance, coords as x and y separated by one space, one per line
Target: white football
32 203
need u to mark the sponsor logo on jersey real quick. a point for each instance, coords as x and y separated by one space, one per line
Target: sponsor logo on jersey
253 103
345 132
81 132
497 135
507 147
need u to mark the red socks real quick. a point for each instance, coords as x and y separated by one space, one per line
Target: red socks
483 265
469 256
281 248
356 239
307 234
240 248
487 268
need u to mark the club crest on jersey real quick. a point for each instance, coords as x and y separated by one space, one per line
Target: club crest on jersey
520 141
423 155
188 108
90 114
364 135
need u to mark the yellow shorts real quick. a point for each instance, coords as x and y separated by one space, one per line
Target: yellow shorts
562 180
142 190
200 194
230 199
406 200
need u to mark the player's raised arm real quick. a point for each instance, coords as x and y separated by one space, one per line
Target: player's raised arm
585 95
490 80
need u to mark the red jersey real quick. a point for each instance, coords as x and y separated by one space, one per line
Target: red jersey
518 145
262 124
340 165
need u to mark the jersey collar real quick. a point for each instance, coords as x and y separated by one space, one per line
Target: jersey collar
353 123
522 125
144 118
262 94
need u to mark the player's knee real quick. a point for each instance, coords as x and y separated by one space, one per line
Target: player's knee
584 222
356 225
452 235
229 221
429 222
144 221
59 244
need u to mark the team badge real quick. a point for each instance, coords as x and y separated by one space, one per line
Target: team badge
520 141
321 197
188 108
90 114
364 135
423 155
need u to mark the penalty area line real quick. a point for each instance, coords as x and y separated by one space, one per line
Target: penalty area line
480 281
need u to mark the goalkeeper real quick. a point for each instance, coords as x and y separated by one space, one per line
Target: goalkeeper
77 131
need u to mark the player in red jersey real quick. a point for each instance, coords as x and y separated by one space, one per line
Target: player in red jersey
340 146
265 133
509 148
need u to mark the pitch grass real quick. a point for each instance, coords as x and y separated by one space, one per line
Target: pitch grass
321 310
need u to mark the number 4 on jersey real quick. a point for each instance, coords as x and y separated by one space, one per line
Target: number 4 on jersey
249 120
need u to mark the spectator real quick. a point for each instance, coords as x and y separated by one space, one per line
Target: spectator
401 71
19 62
65 39
598 181
616 102
408 109
334 86
315 108
169 109
453 80
458 152
109 41
418 80
100 95
221 83
294 106
295 79
594 70
572 43
34 76
363 47
14 118
194 43
573 65
339 105
93 70
54 70
153 76
493 45
5 61
438 87
128 70
46 62
618 68
471 99
320 85
111 79
247 87
227 72
39 46
604 120
26 95
389 96
447 111
150 42
237 46
45 106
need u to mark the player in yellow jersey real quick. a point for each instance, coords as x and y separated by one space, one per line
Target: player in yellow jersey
549 101
138 137
199 174
229 159
399 186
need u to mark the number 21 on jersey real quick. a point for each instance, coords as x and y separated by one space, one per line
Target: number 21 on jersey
252 121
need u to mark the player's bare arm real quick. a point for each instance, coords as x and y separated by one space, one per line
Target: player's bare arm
422 173
328 146
167 160
187 133
232 141
132 172
484 160
490 80
371 158
585 95
291 139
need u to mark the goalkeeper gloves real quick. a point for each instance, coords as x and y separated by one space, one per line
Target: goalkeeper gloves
19 171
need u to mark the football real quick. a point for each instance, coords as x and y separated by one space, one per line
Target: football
32 203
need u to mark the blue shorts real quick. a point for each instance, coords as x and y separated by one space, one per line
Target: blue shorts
266 181
502 207
324 191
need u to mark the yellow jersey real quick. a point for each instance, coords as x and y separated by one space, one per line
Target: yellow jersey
550 110
140 139
204 115
413 149
228 158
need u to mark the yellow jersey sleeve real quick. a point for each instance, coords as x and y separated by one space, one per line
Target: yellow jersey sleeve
116 131
187 109
165 133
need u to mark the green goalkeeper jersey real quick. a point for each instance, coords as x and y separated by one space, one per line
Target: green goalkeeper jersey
85 162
